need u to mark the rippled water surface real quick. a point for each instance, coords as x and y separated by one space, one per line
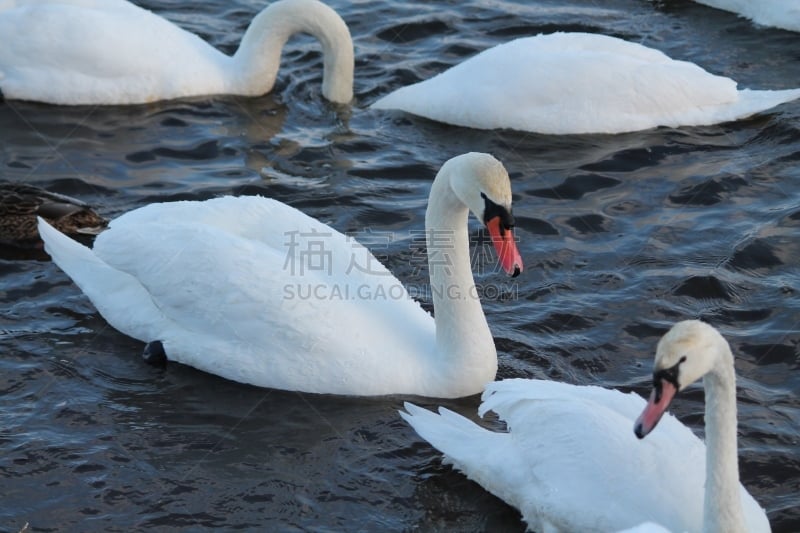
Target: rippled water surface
621 235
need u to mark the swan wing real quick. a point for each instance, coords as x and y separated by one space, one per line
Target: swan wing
578 83
101 52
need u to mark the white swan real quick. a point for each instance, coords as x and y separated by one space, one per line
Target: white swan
570 461
255 291
113 52
565 83
784 14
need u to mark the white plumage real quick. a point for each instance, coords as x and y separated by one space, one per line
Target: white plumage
784 14
565 83
114 52
255 291
570 460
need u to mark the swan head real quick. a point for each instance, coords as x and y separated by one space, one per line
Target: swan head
687 352
481 182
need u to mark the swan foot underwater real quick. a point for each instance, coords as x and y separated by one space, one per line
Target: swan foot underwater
154 353
107 52
570 462
206 282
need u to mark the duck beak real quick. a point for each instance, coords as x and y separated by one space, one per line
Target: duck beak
660 398
507 253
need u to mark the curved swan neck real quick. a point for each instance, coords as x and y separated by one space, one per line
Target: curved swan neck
462 332
257 60
723 505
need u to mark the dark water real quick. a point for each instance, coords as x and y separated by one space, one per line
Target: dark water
621 235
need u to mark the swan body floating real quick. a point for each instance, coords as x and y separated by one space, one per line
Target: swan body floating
784 14
227 286
112 52
564 83
570 461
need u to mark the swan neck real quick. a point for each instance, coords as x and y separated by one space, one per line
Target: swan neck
462 332
257 60
723 506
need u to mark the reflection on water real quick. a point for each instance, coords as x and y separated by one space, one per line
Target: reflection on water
621 236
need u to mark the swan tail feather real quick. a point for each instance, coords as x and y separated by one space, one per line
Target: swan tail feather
769 98
755 101
77 260
463 442
117 295
484 456
749 102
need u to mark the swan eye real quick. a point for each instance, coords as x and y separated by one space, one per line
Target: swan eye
492 210
668 374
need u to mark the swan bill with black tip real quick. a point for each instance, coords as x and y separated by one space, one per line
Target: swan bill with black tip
500 223
657 405
665 387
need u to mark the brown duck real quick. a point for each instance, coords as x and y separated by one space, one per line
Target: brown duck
20 205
